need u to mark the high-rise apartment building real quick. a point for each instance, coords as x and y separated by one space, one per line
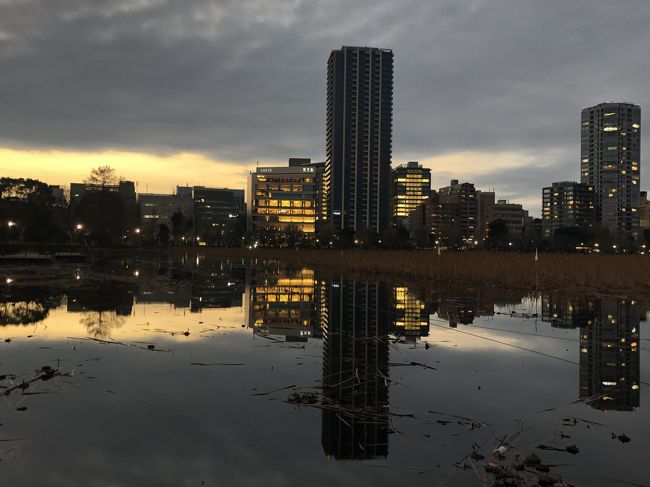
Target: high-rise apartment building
459 211
356 180
610 158
410 187
567 204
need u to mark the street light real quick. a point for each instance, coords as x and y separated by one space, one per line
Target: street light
11 223
137 230
79 226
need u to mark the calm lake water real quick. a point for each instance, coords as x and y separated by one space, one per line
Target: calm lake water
221 373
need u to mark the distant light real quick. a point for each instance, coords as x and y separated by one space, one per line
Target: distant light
79 226
11 224
9 280
136 273
77 277
137 230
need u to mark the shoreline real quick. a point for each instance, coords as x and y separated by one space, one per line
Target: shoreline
593 273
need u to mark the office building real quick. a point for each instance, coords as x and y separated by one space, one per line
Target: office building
610 160
218 213
567 204
410 187
126 190
158 209
283 197
356 180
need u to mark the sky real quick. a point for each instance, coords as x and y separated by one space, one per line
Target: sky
198 92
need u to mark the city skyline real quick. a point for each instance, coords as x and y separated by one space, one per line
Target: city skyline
468 103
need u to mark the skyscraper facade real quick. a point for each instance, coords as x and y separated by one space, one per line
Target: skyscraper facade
356 180
610 157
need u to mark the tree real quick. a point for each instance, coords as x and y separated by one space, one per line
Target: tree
102 176
27 213
568 238
395 237
497 234
163 235
181 225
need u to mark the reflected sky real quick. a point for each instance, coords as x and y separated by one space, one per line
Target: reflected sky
213 373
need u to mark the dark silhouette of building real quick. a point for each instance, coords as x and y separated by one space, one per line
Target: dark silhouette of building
355 362
356 180
459 212
217 212
609 356
610 161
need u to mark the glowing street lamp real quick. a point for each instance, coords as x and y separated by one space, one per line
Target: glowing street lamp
137 230
11 223
79 226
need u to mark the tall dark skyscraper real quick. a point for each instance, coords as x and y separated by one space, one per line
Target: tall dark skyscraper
610 158
356 180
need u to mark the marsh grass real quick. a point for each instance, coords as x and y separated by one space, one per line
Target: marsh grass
606 274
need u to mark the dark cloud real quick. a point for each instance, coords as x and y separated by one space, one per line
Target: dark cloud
245 80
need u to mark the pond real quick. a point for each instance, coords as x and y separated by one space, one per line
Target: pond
199 372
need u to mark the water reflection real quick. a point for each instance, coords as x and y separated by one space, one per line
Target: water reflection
355 370
359 325
281 301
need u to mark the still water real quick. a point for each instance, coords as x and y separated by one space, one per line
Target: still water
230 373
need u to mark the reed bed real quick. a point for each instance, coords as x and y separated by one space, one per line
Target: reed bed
600 273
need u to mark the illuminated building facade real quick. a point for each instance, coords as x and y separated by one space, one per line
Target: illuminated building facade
283 197
610 159
356 180
567 204
355 329
282 302
609 356
410 315
410 187
157 209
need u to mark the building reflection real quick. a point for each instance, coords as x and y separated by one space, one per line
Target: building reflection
609 355
216 286
410 315
565 311
355 326
282 301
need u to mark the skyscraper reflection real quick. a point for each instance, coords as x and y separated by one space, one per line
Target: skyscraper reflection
355 327
609 355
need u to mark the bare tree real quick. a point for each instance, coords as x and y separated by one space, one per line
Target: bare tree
102 176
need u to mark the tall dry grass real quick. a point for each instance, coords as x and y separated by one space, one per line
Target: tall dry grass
593 272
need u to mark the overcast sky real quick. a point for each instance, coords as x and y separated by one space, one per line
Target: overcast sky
488 91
